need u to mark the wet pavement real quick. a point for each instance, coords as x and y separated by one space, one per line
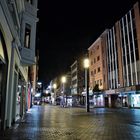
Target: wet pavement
55 123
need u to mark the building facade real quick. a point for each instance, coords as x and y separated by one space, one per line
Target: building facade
123 59
17 51
77 82
98 68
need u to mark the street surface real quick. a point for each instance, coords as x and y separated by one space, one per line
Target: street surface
55 123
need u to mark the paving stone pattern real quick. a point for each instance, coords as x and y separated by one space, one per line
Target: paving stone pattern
55 123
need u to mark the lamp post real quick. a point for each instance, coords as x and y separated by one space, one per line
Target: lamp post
54 87
86 66
63 80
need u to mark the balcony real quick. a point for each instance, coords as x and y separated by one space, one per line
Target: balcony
27 56
31 9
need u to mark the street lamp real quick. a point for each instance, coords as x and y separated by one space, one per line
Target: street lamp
63 80
54 86
86 66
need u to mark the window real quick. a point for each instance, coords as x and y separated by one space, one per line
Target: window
94 60
97 47
91 73
74 74
95 82
98 58
30 1
94 71
74 82
133 13
91 62
99 69
100 82
27 36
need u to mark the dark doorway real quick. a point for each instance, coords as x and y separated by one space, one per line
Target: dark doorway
3 80
106 102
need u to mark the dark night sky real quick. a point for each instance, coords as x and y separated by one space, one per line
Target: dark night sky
67 28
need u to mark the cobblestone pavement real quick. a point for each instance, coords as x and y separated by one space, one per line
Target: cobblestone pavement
56 123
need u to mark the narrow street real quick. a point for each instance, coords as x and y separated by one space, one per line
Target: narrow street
55 123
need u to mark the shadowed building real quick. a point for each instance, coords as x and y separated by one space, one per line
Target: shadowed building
18 20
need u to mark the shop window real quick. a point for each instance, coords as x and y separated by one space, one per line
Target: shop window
27 36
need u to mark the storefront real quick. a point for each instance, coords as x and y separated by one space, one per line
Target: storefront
18 102
135 100
21 102
84 94
98 100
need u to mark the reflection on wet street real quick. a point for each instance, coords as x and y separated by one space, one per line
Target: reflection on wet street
56 123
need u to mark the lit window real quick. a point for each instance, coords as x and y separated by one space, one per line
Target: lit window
27 36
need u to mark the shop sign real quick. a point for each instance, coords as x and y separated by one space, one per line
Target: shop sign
111 91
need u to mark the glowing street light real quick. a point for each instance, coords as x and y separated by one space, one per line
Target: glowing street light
86 66
54 86
63 79
86 63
